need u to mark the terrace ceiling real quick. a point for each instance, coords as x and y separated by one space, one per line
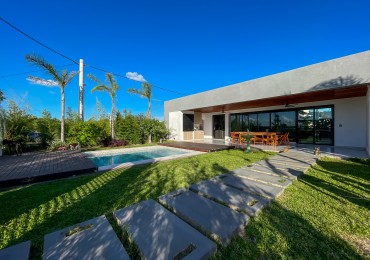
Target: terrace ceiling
321 95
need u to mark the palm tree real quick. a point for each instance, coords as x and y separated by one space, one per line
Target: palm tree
146 91
111 90
59 79
1 96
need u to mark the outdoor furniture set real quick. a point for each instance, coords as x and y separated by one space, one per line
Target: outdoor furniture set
264 138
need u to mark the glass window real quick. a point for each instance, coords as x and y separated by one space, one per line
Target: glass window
188 122
264 122
323 125
253 127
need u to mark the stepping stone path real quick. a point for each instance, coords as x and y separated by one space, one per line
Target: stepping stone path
20 251
206 214
218 208
92 239
159 234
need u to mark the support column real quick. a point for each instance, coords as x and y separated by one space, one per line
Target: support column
81 92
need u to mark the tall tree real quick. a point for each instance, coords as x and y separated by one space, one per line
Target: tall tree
1 96
59 79
111 89
145 92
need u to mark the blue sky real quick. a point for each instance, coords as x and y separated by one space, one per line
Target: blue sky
182 46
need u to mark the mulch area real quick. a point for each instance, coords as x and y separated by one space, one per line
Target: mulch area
42 166
201 147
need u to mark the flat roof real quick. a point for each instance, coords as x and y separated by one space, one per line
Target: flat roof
338 78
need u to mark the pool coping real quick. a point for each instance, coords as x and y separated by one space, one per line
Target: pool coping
189 153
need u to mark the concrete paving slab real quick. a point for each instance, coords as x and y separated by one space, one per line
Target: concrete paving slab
19 251
234 198
159 234
92 239
274 165
218 221
283 172
262 177
286 163
291 161
265 190
297 156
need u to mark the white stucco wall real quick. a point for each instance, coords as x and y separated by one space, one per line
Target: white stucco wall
351 113
175 125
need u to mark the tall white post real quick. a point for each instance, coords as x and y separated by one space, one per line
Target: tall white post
81 93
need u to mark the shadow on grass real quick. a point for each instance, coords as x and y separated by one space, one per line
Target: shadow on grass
342 180
280 233
34 211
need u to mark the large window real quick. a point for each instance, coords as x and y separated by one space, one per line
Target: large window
312 125
188 122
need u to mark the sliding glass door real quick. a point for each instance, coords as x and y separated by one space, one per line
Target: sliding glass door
315 126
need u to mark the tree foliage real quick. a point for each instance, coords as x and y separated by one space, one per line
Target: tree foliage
60 79
111 89
137 128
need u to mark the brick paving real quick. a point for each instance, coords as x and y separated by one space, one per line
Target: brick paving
42 166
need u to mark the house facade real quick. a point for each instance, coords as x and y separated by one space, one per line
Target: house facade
327 103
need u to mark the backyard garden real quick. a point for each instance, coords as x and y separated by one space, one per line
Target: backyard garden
324 214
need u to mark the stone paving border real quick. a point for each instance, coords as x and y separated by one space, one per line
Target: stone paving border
92 239
112 152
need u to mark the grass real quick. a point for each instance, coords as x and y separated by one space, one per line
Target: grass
33 211
324 215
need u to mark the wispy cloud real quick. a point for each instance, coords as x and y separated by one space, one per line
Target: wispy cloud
135 76
52 92
43 82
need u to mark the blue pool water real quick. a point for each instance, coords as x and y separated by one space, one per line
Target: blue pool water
115 159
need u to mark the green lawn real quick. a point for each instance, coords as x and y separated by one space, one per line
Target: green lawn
324 215
33 211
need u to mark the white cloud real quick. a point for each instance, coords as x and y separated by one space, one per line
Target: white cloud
52 92
43 82
135 76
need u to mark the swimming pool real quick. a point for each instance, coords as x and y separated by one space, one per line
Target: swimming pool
109 159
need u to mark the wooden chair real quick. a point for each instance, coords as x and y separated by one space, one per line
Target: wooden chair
235 137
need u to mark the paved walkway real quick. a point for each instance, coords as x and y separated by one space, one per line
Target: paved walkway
209 211
41 166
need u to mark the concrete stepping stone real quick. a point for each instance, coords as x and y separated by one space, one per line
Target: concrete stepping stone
234 198
159 234
280 172
92 239
262 177
19 251
292 164
218 221
303 157
291 161
265 190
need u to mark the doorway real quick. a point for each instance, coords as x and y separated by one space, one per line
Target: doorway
315 126
218 126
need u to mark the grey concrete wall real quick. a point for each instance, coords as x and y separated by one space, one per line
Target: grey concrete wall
341 72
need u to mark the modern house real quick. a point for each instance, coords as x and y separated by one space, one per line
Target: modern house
327 103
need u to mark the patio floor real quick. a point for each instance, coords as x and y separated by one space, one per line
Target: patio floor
42 166
325 150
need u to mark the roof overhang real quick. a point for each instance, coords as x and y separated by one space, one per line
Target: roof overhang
312 96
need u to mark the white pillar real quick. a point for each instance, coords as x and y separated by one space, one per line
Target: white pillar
81 92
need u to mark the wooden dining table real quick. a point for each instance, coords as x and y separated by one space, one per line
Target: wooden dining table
269 138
